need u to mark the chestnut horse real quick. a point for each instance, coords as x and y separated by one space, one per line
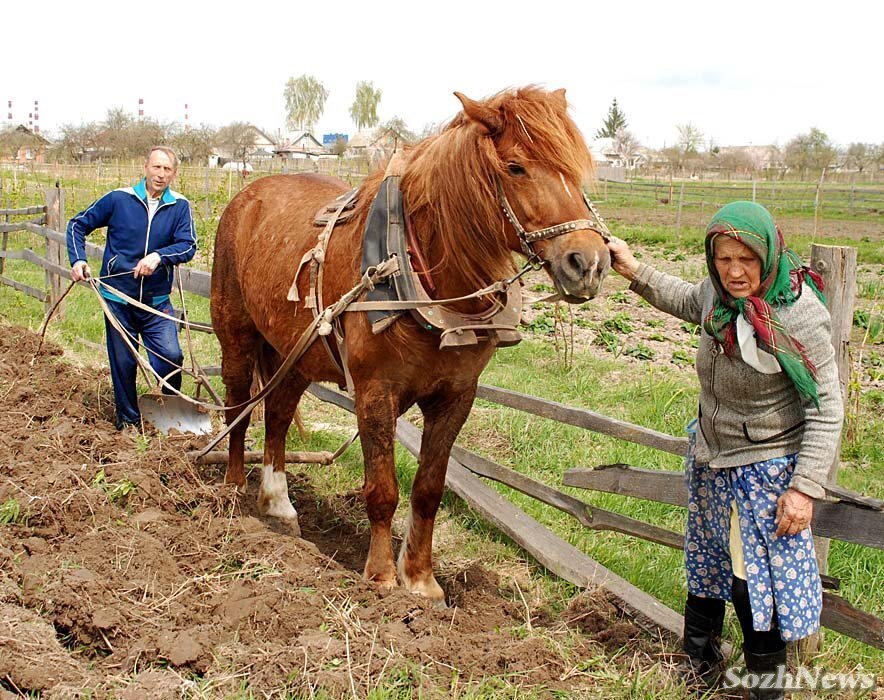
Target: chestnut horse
519 141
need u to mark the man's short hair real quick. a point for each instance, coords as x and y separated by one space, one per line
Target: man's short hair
168 151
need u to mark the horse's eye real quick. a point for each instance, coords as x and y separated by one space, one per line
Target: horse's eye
515 169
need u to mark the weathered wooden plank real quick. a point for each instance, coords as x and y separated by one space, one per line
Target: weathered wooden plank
841 616
194 281
55 281
591 517
840 520
92 250
27 211
552 552
574 566
19 226
32 257
24 288
583 418
253 457
549 550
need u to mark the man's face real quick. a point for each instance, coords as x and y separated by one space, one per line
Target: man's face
159 171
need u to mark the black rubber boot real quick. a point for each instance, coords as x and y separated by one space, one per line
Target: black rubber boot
764 665
703 621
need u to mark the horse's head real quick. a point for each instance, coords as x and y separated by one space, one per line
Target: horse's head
539 162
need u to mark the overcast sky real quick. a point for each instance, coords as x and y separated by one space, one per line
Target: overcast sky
748 73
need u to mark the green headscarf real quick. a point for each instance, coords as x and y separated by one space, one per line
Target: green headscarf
782 274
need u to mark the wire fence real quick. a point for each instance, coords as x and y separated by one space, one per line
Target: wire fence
779 197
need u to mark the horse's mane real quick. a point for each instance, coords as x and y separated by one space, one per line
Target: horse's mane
450 179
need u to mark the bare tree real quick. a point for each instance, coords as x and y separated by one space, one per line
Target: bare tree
860 155
238 138
811 152
305 100
364 110
76 142
689 138
194 145
626 146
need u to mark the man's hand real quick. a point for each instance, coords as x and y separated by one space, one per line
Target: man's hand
80 271
794 513
147 265
622 259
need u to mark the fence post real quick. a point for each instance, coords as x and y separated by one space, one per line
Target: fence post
753 190
4 242
678 216
54 253
837 266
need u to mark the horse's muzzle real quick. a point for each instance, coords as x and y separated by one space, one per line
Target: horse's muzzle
578 274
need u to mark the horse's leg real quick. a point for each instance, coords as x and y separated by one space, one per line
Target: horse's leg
279 409
443 419
237 365
376 413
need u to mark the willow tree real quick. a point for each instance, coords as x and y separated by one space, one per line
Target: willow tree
364 111
304 102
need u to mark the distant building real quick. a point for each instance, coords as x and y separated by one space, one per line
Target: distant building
299 144
22 145
376 144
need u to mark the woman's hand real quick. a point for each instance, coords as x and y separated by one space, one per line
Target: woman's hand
794 513
622 259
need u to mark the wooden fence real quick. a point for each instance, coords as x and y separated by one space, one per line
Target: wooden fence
848 516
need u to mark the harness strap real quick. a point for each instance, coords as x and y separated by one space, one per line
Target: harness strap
371 276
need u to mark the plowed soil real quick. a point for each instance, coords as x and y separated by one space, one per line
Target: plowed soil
127 572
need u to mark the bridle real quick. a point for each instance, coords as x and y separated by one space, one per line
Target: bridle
526 238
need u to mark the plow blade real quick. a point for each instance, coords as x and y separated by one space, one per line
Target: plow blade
168 413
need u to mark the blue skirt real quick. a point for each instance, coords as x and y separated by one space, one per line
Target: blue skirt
781 572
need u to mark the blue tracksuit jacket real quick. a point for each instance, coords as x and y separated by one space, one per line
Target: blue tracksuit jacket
171 234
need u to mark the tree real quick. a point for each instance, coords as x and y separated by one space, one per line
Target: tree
305 100
238 138
398 125
76 142
364 110
194 145
689 139
626 146
614 122
117 122
859 155
810 152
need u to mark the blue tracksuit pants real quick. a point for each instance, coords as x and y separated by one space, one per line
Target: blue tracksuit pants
158 335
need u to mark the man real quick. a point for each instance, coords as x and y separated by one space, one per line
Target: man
149 231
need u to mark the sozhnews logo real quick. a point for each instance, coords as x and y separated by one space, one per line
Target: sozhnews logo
803 678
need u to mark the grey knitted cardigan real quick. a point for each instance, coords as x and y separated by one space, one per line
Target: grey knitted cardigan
746 416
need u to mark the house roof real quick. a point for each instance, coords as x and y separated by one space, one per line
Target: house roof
22 129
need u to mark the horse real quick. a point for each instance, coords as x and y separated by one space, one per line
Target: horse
504 168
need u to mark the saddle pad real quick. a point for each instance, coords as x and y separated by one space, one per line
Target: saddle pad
325 213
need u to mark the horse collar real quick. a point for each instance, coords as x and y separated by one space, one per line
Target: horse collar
526 238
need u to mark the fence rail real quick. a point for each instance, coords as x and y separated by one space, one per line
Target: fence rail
851 518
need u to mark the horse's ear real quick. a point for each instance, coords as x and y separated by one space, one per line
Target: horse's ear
559 96
487 117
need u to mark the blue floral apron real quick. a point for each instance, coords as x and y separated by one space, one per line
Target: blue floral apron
781 572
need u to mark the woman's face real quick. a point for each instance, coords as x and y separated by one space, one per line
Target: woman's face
739 269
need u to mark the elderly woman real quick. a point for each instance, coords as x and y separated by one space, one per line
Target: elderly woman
769 419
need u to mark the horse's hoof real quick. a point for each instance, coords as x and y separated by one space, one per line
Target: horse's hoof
273 497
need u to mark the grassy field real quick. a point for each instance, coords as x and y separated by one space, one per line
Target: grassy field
650 392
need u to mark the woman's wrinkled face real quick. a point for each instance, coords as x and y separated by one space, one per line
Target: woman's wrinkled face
739 269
